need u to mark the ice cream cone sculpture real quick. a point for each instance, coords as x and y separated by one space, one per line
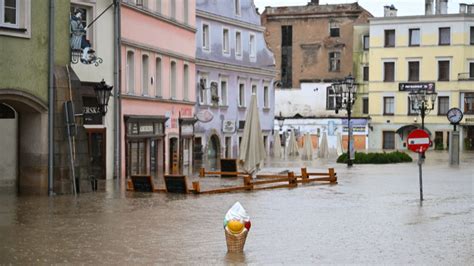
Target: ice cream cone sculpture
236 225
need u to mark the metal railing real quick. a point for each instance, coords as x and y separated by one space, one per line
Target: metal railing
465 76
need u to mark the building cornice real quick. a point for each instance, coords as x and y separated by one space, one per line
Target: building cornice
237 68
421 19
150 13
155 99
234 22
161 51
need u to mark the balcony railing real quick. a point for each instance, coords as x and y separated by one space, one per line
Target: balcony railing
465 76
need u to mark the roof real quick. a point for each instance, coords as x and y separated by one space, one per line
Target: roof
314 9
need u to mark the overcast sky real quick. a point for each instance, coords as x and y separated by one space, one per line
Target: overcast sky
405 7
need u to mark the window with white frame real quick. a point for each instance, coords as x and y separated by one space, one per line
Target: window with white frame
15 18
388 105
172 9
444 36
186 82
241 94
443 105
158 78
254 91
266 95
173 80
185 12
334 61
223 94
330 98
237 7
130 69
253 46
145 74
205 36
414 38
366 42
238 43
225 41
158 6
203 89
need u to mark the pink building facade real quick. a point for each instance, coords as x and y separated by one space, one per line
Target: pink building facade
157 86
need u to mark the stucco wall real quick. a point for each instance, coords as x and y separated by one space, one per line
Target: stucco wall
8 160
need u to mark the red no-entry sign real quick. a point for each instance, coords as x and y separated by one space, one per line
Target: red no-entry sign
418 141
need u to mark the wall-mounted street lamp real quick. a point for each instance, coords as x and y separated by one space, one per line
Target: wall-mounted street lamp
345 99
103 92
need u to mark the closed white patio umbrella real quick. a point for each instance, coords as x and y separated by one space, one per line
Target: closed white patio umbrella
307 153
323 151
252 149
276 145
292 148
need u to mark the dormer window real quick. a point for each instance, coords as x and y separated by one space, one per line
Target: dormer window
237 7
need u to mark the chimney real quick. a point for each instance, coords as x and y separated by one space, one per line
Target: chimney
443 7
389 11
462 8
428 7
470 9
437 7
314 2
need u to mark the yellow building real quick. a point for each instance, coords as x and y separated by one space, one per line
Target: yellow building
431 50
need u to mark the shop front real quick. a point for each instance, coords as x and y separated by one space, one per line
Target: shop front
145 145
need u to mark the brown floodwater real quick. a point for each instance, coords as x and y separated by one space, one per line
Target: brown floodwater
372 216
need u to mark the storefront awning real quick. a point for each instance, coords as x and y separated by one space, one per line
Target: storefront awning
406 129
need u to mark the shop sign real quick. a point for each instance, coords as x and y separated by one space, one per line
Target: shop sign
469 120
187 129
430 86
228 126
355 129
91 111
204 116
146 129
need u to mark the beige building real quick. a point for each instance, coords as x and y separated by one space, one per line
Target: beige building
312 43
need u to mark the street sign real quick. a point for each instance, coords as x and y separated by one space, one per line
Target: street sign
418 141
430 86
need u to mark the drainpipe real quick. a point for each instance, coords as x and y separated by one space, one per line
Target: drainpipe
117 101
51 98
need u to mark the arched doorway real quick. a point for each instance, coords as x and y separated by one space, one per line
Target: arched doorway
25 167
213 152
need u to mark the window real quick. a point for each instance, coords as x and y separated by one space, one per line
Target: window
365 76
137 155
389 71
444 36
388 140
334 61
185 12
173 80
472 35
443 70
185 82
241 95
414 71
389 38
203 90
15 17
237 7
365 106
225 41
238 43
334 29
254 91
158 6
173 9
158 78
223 98
330 98
145 74
130 69
388 105
205 36
265 97
228 147
414 37
366 42
286 56
9 13
443 105
469 103
411 110
253 46
471 70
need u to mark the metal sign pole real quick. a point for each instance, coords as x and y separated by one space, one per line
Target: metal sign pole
420 162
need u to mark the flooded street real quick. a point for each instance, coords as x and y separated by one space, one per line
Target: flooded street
372 216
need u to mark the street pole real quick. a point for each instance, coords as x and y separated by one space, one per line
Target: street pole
349 130
420 162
